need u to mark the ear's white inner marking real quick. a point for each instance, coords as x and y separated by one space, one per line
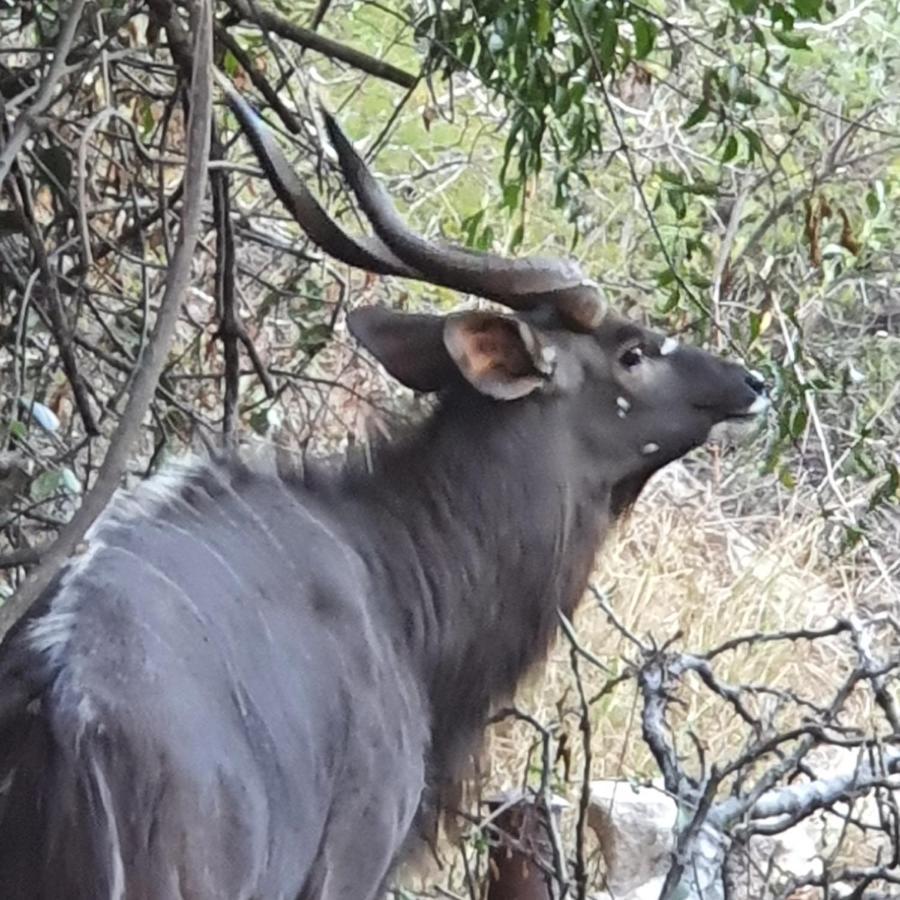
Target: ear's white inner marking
669 345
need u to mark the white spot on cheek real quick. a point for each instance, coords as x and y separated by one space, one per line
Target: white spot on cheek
760 404
548 355
650 448
623 405
669 345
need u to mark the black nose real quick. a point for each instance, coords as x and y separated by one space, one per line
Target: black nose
755 382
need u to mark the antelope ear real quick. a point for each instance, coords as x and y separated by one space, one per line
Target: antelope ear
500 356
410 346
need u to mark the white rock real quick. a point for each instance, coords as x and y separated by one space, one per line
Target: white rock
635 828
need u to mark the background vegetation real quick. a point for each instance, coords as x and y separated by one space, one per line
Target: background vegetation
729 170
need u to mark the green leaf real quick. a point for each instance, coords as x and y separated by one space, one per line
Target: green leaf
471 225
779 14
889 490
230 64
755 325
808 9
609 38
790 39
670 177
872 203
671 302
667 276
676 201
486 239
754 144
314 338
543 20
792 99
698 115
644 37
798 422
511 192
704 188
746 96
731 149
786 477
45 485
148 122
757 34
259 421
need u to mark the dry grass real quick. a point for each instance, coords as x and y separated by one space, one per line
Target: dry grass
679 566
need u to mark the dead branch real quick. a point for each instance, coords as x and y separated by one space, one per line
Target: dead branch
28 120
156 351
311 40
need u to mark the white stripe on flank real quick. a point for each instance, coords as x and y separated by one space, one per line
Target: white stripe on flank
117 886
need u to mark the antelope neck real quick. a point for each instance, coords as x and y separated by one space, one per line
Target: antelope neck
479 528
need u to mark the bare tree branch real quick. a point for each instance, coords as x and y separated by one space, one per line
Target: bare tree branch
25 124
304 37
156 351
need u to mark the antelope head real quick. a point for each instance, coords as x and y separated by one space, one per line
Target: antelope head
632 399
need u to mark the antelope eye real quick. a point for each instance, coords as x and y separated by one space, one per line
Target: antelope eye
631 357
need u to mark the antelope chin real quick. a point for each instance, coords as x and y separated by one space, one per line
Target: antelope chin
757 407
740 426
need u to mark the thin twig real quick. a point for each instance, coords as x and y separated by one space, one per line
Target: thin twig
27 120
154 359
270 21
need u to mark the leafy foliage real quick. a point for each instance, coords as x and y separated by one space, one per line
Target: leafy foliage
548 60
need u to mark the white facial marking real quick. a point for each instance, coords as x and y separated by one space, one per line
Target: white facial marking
669 345
760 404
754 373
649 449
623 404
548 355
